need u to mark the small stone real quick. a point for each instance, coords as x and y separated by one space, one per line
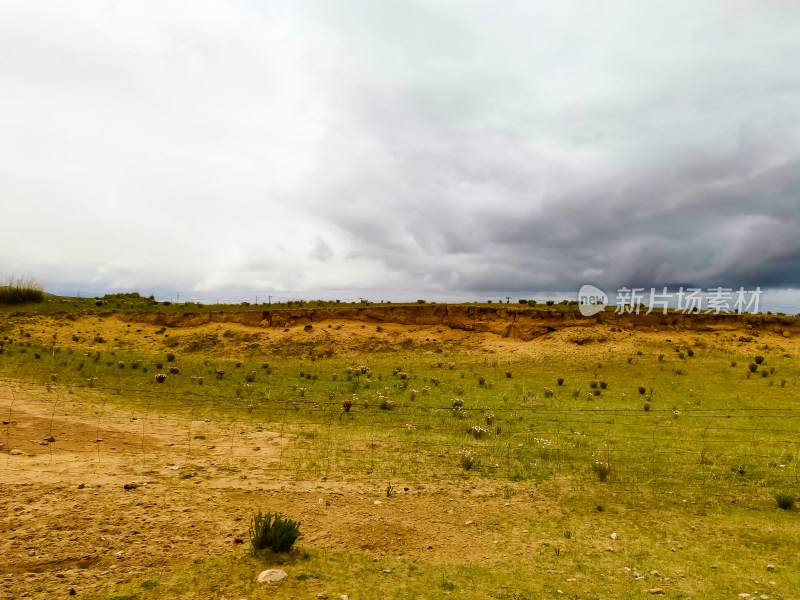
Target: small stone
322 595
613 536
770 567
654 573
469 523
744 596
636 574
130 486
572 579
344 597
771 583
387 571
49 438
763 597
377 502
656 591
16 452
272 576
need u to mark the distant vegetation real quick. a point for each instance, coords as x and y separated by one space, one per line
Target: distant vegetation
21 290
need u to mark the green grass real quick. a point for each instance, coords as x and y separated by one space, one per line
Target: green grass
16 291
716 450
709 549
711 428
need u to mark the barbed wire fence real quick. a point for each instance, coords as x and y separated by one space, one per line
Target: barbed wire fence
69 433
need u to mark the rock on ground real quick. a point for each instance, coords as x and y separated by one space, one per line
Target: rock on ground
272 576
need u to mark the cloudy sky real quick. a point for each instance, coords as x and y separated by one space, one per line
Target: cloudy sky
400 148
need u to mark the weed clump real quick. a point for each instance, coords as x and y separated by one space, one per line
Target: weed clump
21 291
602 469
468 458
273 531
785 499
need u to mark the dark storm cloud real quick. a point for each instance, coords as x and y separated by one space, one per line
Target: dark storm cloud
441 148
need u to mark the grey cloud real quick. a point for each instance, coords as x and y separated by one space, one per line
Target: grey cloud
321 250
441 148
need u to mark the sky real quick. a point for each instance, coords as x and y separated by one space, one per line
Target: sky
400 149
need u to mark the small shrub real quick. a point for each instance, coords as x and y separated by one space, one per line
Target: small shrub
161 377
275 532
170 357
764 373
759 359
508 374
347 405
646 406
21 291
478 432
753 367
785 499
159 365
548 393
250 377
733 363
387 404
174 369
560 381
642 390
468 458
603 385
489 418
458 402
593 384
602 469
660 357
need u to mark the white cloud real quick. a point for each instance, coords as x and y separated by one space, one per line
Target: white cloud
430 147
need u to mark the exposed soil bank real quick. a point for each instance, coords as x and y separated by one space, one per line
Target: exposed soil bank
516 323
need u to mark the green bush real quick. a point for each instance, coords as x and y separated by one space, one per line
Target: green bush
759 360
753 367
21 291
273 531
785 499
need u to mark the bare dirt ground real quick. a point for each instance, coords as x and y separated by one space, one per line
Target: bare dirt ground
70 523
89 499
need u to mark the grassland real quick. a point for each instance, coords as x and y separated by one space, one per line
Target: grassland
666 438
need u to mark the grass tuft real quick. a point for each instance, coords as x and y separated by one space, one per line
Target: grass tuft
273 531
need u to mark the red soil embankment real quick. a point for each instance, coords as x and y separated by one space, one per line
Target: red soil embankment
518 323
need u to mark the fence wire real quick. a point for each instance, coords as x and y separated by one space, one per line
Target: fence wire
68 433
